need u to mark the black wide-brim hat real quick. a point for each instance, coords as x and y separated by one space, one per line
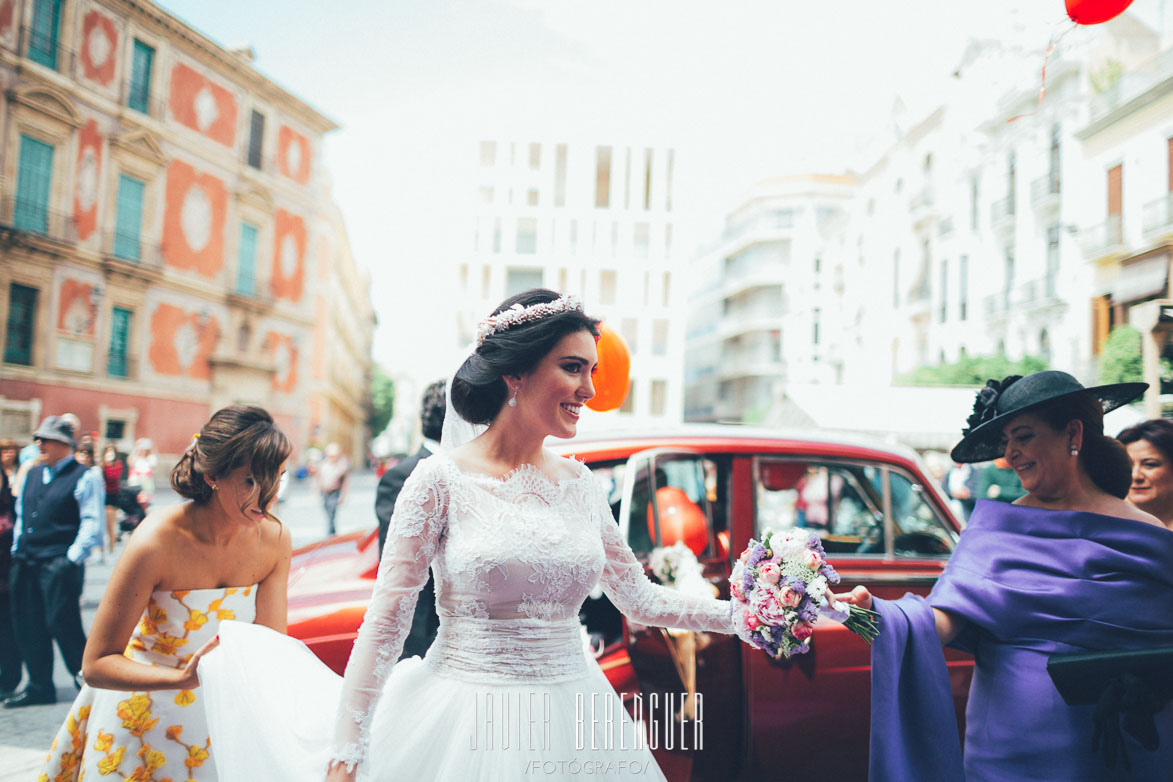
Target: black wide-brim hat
998 402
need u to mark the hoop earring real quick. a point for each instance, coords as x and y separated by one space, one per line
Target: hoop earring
513 399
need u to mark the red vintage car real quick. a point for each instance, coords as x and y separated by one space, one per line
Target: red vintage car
883 524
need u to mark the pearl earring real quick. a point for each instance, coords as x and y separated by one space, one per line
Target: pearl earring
513 399
1074 451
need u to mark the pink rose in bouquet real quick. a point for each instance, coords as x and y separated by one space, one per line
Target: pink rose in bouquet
802 630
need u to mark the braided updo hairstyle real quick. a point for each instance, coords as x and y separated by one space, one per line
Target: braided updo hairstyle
236 436
478 390
1104 459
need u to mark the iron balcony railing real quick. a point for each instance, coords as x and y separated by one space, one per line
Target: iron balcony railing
1103 239
132 249
1157 216
36 218
1002 209
1044 187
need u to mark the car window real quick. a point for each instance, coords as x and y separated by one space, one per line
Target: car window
838 502
672 500
918 528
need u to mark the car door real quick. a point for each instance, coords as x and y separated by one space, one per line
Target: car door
672 495
880 528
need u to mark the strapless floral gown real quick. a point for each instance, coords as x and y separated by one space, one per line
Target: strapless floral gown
506 692
150 736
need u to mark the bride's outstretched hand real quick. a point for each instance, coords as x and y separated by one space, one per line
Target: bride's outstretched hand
340 774
860 596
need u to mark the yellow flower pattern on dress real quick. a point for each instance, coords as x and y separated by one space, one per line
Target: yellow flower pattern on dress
139 736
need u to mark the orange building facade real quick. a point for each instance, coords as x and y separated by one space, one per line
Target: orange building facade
167 241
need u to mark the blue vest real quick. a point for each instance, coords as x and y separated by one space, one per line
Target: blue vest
49 514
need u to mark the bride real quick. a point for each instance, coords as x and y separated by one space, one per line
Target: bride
516 537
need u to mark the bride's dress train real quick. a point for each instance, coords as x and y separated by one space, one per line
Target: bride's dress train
506 692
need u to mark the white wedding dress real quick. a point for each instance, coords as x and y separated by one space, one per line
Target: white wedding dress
505 692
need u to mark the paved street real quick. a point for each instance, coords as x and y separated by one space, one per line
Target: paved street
25 734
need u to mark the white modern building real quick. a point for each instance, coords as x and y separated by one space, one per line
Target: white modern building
599 219
767 299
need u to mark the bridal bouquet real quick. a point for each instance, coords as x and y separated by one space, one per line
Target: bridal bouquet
779 587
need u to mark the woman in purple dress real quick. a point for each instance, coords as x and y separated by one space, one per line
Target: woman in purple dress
1069 568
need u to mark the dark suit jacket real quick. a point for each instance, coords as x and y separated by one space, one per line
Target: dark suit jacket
426 622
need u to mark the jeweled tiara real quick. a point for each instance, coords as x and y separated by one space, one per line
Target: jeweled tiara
517 314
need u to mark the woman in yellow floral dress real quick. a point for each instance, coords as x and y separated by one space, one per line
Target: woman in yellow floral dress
187 567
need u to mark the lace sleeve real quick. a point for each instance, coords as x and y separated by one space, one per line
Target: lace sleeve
417 525
629 588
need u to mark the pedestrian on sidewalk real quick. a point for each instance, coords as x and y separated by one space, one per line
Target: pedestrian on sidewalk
112 478
141 470
58 522
333 477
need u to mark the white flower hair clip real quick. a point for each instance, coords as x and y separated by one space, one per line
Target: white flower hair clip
517 315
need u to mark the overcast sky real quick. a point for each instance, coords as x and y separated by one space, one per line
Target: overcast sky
747 88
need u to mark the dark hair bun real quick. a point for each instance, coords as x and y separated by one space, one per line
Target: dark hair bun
237 436
478 391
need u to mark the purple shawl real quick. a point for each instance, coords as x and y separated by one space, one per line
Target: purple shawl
1031 583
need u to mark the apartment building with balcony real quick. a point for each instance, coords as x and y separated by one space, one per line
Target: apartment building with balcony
1005 220
766 304
598 219
167 247
1034 178
1126 227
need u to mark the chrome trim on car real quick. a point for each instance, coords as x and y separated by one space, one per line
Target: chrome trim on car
880 577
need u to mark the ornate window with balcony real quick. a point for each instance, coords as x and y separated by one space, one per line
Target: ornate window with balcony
43 32
34 179
128 244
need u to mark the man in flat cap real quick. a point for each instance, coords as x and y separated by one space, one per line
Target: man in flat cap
58 520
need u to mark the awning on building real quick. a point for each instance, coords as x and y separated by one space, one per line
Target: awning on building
920 417
1143 277
917 416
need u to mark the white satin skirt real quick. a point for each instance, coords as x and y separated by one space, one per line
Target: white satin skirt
272 705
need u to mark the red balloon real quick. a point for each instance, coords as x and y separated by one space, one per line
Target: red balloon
613 377
1095 11
680 519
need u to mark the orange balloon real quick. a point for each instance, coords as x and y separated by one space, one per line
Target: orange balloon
680 519
613 377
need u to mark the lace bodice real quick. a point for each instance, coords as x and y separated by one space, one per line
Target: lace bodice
513 558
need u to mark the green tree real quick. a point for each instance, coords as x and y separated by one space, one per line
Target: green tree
382 404
972 371
1120 361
